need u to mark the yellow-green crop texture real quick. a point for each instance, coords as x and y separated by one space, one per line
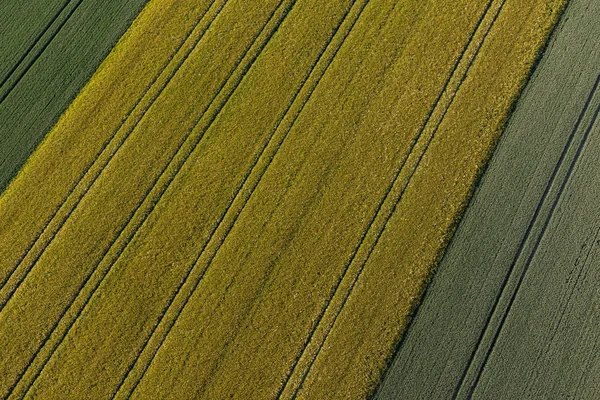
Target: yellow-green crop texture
248 197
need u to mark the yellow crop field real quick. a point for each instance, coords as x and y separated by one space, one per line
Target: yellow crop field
248 198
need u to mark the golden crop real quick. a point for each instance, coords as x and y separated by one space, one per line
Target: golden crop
248 198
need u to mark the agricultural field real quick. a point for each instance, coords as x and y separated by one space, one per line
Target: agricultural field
49 50
512 311
247 199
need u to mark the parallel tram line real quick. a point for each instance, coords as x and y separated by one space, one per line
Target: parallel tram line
196 34
109 149
242 195
389 203
492 327
31 50
152 196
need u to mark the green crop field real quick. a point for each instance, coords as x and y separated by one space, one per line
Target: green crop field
247 199
50 48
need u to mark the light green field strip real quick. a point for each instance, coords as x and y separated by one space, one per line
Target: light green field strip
40 198
280 261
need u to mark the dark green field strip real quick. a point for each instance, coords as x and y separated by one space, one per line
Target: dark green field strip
533 211
22 27
47 79
34 51
543 339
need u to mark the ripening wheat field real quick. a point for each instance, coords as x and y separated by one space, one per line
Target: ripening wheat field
248 198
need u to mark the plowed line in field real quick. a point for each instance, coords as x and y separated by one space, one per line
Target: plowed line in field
506 289
29 51
345 284
161 184
227 220
110 148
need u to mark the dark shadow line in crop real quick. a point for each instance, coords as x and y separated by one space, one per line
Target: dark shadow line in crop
539 237
389 189
34 43
136 229
41 50
99 153
240 187
148 87
527 233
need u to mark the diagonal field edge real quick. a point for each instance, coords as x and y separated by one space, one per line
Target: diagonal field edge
377 393
5 298
106 144
29 51
243 72
237 212
386 196
527 233
538 239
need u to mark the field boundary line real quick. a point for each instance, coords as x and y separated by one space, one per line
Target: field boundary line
387 206
147 205
30 49
109 149
167 75
500 310
245 190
